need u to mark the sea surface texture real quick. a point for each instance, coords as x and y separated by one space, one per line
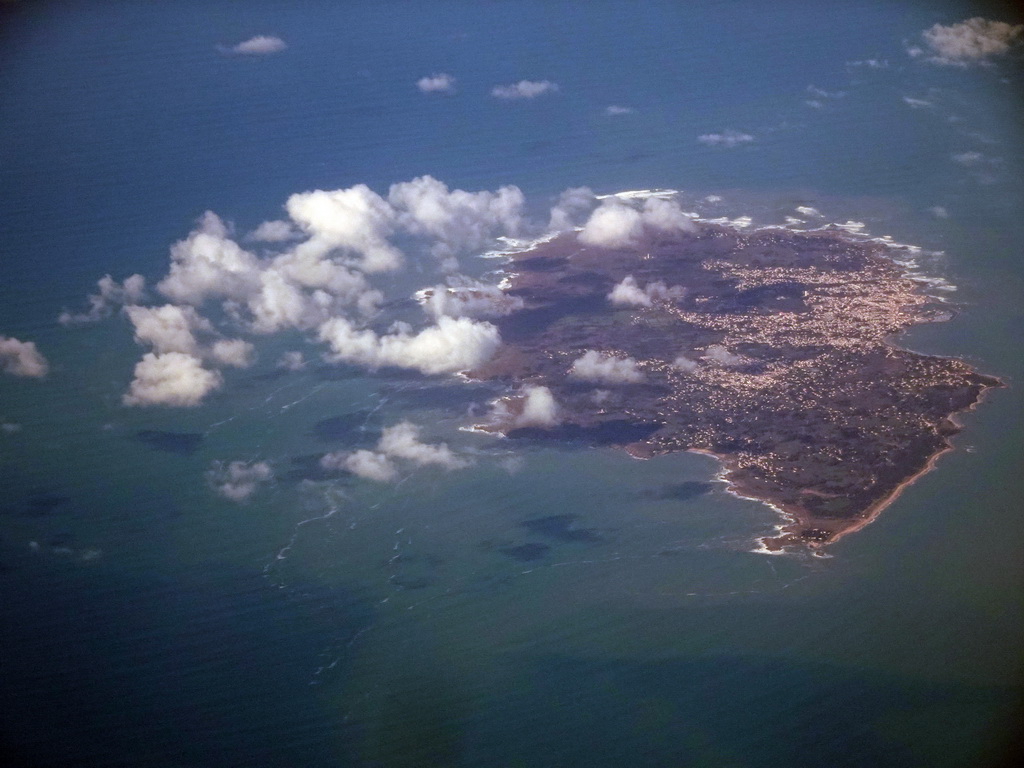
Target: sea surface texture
189 583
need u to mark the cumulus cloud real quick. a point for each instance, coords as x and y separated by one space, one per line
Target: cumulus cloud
606 369
260 45
870 63
402 442
572 203
716 353
457 221
540 409
939 212
614 110
365 464
533 406
168 328
292 361
465 297
274 232
685 364
234 352
172 379
398 442
618 224
968 158
450 346
9 428
727 138
628 293
21 358
111 294
975 40
238 480
524 89
440 82
356 220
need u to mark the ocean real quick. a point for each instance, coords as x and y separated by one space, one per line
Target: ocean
549 605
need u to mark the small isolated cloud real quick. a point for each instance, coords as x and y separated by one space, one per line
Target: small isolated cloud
619 224
440 82
21 358
111 294
260 45
806 210
968 158
172 379
9 428
870 63
973 41
727 138
233 352
606 369
613 110
524 89
292 361
628 293
716 353
939 212
534 406
685 364
398 442
238 480
913 103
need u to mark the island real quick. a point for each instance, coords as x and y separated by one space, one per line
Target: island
770 349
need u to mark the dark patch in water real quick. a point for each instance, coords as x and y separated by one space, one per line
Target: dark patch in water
560 528
615 432
351 428
525 552
45 504
410 582
528 322
686 491
62 539
456 398
182 443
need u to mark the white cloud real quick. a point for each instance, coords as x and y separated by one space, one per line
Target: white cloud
9 428
716 353
173 379
806 210
457 221
727 138
615 110
440 82
274 232
234 352
260 45
540 409
356 220
975 40
21 358
168 328
111 294
607 369
365 464
617 224
571 204
685 364
464 297
939 212
628 293
968 158
917 103
524 89
238 480
452 345
292 361
400 441
869 63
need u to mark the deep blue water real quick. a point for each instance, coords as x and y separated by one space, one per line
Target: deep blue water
146 621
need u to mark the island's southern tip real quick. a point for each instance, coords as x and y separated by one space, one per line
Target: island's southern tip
775 351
